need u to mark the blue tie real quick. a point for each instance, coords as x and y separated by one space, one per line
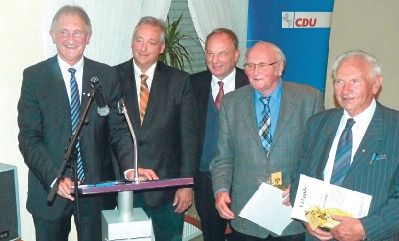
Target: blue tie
264 125
75 113
343 156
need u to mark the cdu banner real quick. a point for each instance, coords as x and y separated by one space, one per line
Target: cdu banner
301 29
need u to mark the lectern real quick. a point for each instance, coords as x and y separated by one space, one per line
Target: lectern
128 223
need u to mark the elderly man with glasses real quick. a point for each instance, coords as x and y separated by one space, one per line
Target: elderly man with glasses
262 129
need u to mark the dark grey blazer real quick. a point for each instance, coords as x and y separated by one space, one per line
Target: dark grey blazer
168 139
241 163
380 179
44 119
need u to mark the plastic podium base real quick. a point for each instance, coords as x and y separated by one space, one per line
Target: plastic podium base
137 228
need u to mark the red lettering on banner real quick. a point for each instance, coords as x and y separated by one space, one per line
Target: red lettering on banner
304 22
297 22
314 24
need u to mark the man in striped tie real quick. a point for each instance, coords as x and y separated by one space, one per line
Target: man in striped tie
261 130
162 109
54 94
356 147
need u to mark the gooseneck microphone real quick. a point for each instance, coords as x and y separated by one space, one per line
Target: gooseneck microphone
103 109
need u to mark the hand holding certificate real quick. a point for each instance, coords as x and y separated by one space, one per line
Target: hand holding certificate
317 200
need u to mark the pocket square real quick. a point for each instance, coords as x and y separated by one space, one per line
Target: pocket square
378 157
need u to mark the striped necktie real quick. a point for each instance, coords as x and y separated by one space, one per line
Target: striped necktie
343 155
75 113
144 94
264 125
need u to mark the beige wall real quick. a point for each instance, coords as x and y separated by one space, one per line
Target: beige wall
21 46
372 26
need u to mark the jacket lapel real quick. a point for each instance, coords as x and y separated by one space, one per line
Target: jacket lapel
88 73
287 109
371 143
157 92
56 83
248 115
327 135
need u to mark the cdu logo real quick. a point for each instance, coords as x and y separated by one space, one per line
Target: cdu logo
306 19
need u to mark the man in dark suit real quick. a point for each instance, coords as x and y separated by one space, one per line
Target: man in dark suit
243 161
221 56
372 162
44 119
161 105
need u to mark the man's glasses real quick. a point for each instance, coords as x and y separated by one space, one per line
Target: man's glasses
251 66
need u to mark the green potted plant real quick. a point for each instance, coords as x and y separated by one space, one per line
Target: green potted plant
175 53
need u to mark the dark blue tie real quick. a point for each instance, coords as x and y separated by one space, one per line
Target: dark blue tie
264 125
75 113
343 156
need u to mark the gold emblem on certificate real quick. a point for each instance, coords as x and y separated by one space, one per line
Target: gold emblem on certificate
277 180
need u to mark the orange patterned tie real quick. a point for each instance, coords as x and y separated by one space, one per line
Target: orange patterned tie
144 94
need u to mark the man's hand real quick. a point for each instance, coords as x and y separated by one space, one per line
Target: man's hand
350 229
183 199
64 188
286 197
144 175
222 204
318 233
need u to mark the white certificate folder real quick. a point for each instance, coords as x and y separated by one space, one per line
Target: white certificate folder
265 208
314 192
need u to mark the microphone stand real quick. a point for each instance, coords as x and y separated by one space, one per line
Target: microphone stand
69 155
125 198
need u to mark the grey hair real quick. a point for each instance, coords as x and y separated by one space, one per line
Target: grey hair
375 69
155 22
68 9
276 49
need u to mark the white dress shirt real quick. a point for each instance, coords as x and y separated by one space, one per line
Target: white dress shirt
358 130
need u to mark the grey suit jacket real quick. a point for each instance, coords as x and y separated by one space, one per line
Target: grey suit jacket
241 163
44 119
380 179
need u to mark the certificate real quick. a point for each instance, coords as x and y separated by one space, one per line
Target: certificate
324 196
265 208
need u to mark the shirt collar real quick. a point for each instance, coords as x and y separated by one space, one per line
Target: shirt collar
150 72
228 81
65 66
275 95
365 116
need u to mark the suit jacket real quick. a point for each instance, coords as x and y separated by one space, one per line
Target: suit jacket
241 164
44 119
202 87
380 179
168 138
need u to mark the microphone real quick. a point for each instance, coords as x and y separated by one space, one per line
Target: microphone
103 109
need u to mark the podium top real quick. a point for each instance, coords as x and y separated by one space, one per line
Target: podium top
119 186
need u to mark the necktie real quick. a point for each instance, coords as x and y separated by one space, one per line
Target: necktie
220 95
144 94
264 125
343 156
75 113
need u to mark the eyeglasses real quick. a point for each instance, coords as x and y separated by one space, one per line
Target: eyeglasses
251 66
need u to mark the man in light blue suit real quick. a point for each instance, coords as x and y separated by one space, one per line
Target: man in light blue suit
241 161
374 159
